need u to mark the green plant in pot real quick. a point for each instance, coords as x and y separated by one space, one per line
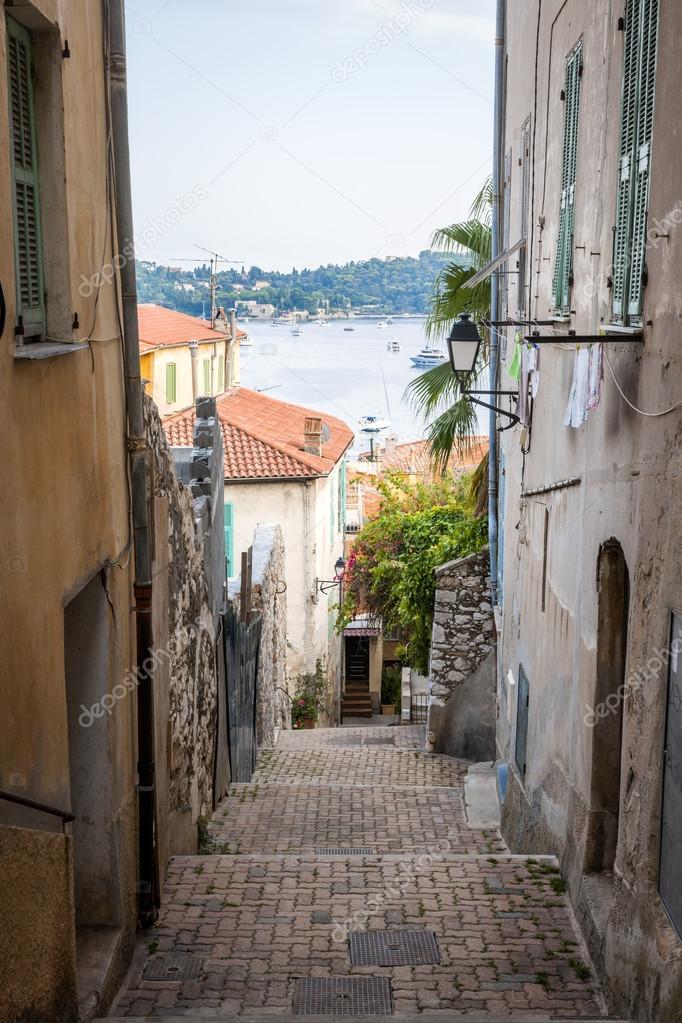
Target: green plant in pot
391 686
308 699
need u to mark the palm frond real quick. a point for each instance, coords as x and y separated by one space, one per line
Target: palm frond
452 429
478 486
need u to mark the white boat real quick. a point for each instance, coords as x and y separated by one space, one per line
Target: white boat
428 357
374 424
389 321
393 346
295 331
349 328
322 323
245 342
381 324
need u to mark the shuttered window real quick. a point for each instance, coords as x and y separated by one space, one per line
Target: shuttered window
221 374
171 388
637 118
229 539
206 369
24 157
563 266
524 161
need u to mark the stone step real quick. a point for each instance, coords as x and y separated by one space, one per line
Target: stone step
421 1018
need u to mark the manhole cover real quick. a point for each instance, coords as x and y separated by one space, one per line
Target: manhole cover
173 968
344 851
343 996
393 948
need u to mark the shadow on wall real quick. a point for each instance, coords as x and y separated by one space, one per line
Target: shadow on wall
461 713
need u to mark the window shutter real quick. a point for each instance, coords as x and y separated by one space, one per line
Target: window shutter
637 115
221 374
229 538
563 266
206 366
525 209
640 200
27 230
170 383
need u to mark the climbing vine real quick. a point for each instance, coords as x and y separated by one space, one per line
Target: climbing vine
390 571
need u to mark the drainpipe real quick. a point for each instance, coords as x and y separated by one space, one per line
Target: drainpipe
194 357
138 455
496 241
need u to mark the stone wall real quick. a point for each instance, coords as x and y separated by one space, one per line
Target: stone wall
270 600
185 650
461 712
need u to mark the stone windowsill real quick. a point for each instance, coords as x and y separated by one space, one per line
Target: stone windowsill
47 350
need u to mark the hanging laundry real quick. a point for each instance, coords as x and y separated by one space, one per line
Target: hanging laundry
596 375
528 382
576 410
515 364
532 357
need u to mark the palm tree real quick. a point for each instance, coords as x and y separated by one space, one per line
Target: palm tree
435 391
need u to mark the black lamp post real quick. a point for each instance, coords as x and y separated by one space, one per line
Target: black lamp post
464 345
325 585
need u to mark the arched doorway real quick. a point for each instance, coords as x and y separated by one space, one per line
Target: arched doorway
613 595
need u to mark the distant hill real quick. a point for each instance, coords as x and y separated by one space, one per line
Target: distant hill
383 286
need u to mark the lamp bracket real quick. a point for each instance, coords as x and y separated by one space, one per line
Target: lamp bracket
514 419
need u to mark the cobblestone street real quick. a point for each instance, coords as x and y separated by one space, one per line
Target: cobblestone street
358 830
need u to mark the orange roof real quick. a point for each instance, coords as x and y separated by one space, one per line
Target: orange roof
263 437
414 458
161 328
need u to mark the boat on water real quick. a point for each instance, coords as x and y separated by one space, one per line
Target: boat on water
349 328
245 342
389 321
295 331
322 323
428 357
374 424
381 324
393 346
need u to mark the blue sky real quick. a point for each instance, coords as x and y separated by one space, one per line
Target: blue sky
302 132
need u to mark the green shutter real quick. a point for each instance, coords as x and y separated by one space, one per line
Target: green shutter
229 539
28 249
206 367
563 266
637 116
170 383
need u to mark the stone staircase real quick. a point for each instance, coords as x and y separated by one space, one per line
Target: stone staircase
357 703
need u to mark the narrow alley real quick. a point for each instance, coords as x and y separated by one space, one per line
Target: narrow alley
341 833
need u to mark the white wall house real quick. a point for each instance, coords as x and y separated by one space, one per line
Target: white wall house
286 464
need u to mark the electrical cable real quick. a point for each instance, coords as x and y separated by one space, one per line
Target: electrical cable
641 412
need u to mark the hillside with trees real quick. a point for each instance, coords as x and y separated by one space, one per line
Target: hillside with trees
381 286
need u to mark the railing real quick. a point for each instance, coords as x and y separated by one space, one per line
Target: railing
418 709
32 804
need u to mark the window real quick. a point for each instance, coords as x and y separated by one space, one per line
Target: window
28 245
229 539
637 119
522 699
524 161
206 370
171 383
563 266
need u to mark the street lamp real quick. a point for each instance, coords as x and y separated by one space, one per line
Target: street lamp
325 585
464 345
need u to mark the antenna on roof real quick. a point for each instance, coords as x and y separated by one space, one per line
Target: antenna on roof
213 279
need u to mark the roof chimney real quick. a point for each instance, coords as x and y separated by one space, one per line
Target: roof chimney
312 439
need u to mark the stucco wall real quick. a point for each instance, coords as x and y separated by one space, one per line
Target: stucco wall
628 466
180 355
461 707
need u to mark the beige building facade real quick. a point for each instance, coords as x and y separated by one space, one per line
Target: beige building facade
590 554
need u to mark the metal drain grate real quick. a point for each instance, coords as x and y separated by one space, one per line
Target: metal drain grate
393 948
178 967
342 850
343 996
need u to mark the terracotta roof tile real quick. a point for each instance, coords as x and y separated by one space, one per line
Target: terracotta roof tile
263 437
414 458
160 328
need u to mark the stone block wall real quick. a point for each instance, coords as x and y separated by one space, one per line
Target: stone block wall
461 712
270 600
184 647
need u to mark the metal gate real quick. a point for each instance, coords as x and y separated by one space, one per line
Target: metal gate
670 877
522 722
242 642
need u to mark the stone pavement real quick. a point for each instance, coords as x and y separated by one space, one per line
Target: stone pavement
273 902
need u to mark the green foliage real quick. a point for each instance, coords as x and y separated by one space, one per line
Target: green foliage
390 571
308 701
381 286
391 684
